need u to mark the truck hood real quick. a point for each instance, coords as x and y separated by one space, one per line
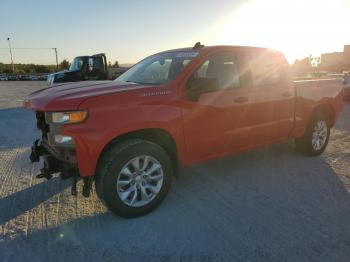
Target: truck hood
68 96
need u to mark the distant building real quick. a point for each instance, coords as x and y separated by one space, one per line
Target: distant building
337 61
331 59
347 56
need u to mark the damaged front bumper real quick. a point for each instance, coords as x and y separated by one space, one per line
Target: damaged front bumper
57 158
55 161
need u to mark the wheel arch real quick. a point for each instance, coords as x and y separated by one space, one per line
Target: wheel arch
327 110
158 136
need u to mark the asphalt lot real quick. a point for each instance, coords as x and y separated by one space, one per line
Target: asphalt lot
267 205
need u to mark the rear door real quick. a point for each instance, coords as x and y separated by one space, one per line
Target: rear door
272 98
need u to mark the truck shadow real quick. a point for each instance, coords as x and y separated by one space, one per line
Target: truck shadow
270 204
266 205
17 128
18 203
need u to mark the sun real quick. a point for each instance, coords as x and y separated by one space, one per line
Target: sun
296 27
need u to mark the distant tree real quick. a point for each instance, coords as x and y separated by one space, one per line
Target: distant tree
302 67
116 64
41 69
64 64
30 68
27 68
20 72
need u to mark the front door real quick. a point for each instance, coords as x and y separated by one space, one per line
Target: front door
216 122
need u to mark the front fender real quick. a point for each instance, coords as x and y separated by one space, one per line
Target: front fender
109 121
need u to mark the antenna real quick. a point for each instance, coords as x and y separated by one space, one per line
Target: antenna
198 45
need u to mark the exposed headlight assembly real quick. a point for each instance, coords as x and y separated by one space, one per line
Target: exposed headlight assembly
71 117
63 140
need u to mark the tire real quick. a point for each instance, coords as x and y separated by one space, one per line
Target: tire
306 144
125 181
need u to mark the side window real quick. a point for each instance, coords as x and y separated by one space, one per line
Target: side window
98 64
266 69
221 67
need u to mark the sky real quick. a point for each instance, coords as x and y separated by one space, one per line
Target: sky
128 31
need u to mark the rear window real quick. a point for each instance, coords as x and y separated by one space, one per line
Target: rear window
222 67
267 68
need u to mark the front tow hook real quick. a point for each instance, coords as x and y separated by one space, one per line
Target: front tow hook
37 151
44 173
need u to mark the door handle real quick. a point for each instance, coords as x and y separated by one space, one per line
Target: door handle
287 94
241 99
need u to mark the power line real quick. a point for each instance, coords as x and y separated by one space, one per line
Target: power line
33 48
39 48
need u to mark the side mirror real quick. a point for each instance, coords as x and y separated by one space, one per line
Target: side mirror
196 87
91 64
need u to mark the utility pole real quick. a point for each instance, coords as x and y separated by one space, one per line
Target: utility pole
56 58
13 65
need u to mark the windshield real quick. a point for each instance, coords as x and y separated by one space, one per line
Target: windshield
77 64
158 69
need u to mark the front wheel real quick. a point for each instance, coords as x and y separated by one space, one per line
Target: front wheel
316 136
134 177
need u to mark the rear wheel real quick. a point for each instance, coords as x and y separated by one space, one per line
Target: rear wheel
316 136
134 177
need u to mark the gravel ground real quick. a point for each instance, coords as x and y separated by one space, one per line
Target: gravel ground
267 205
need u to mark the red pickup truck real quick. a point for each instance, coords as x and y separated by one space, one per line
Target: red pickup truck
174 108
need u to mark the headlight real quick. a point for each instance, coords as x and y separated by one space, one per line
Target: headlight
69 117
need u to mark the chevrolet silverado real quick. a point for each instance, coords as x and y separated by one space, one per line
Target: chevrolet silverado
176 108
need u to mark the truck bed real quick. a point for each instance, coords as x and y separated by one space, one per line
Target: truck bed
312 93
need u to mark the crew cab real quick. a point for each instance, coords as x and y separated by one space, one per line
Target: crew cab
177 108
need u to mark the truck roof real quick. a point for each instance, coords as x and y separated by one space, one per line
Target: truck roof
207 48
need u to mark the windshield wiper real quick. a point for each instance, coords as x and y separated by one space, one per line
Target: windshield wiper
133 82
140 83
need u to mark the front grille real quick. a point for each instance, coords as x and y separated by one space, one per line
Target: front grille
41 124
